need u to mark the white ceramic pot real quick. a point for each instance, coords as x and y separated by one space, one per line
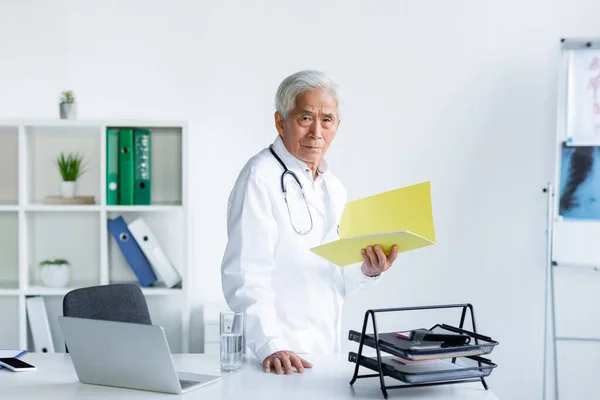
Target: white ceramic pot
57 275
67 189
68 110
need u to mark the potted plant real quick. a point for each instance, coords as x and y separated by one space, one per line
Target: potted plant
70 168
68 107
55 273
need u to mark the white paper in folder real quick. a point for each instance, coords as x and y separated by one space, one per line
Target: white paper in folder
40 327
147 241
583 107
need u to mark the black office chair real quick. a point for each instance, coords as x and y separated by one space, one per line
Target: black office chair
122 302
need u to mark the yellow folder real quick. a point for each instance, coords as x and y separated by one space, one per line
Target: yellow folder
401 217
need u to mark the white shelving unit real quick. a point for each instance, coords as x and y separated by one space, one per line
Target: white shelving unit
31 231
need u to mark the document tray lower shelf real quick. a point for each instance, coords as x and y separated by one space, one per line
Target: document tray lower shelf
464 368
390 343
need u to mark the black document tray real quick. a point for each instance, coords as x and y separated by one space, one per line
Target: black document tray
441 370
417 351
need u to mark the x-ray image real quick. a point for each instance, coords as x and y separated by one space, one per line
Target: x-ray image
580 182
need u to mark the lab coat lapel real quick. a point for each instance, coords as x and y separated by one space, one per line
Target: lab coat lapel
334 206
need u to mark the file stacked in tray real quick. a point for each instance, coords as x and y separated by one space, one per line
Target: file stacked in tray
416 361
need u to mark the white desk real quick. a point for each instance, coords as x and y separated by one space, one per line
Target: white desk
328 379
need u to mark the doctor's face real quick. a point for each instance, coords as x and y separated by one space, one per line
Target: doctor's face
310 127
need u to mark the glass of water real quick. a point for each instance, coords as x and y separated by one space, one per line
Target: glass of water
231 330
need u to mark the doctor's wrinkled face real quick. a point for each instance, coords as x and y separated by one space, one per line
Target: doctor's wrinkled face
310 126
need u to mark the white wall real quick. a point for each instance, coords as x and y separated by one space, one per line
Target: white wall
460 92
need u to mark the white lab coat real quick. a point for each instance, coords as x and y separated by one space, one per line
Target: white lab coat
292 298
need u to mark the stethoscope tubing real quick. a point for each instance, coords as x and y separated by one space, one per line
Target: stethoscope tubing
284 191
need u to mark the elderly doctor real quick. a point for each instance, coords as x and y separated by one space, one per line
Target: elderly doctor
284 202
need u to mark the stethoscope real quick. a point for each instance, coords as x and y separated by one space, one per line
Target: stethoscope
284 191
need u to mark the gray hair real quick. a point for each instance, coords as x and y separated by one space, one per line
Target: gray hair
300 82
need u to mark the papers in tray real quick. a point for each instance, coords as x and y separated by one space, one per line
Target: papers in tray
423 372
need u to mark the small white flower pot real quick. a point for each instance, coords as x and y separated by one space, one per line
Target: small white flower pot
67 189
68 110
57 275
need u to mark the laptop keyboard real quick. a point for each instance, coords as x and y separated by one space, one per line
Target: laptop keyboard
185 384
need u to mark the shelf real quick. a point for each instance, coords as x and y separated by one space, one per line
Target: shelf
95 207
9 334
9 250
8 284
9 165
49 291
167 168
62 208
43 144
32 230
435 371
162 291
60 123
151 208
167 230
68 235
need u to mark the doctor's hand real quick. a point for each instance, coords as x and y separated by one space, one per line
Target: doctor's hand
375 261
282 361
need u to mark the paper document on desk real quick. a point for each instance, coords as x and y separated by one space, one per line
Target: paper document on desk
6 353
401 217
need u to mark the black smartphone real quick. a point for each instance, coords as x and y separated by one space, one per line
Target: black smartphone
447 339
14 364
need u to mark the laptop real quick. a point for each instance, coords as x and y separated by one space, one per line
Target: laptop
126 355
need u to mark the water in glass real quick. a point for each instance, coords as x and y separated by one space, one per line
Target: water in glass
231 351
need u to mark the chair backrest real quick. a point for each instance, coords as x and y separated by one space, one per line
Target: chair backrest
121 302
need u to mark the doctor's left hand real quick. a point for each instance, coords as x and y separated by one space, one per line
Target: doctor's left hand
282 362
375 261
